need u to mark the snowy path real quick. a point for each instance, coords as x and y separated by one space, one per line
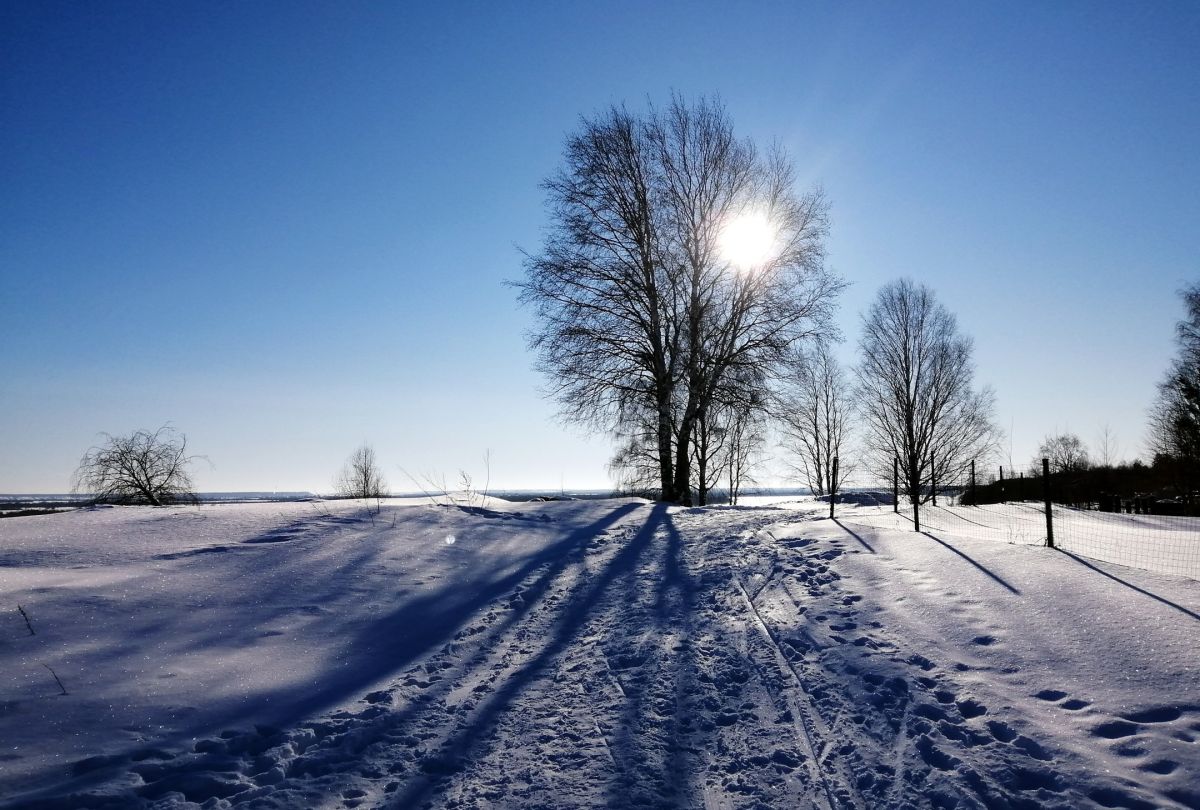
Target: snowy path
630 655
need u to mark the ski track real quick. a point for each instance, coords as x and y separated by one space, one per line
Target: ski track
689 660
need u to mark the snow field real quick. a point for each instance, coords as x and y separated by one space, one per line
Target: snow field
584 654
1160 543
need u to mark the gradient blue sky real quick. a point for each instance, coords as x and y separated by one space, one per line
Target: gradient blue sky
285 227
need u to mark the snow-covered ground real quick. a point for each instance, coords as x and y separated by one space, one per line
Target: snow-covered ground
592 653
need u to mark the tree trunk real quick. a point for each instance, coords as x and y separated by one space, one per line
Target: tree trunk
683 461
665 468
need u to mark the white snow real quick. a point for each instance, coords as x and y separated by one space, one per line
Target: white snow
590 653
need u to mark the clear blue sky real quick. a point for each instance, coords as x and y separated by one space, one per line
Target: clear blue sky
285 227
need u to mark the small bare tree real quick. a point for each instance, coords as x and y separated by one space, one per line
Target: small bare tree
1108 447
143 467
745 437
361 477
815 406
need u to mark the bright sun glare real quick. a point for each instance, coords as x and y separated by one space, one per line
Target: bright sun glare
747 240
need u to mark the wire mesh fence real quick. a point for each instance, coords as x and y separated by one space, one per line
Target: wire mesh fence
1085 519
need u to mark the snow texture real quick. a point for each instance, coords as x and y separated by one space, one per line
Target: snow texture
582 654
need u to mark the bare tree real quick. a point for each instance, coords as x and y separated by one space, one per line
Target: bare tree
746 435
641 315
738 313
1108 447
634 465
361 477
142 467
1065 452
729 434
814 405
915 389
607 338
1175 415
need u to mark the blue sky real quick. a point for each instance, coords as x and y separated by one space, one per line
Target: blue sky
285 228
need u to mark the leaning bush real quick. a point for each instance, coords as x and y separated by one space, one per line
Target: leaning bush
144 467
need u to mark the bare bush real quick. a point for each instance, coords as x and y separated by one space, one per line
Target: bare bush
143 467
361 477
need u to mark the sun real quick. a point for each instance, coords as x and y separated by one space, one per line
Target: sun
747 240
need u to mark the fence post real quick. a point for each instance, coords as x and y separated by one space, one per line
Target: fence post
833 486
1046 494
1003 494
915 475
932 481
974 500
895 484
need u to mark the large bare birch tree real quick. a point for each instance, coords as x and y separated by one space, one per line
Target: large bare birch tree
642 311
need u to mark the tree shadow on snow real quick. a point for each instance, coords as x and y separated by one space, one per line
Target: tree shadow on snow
855 535
990 574
1131 586
379 649
671 593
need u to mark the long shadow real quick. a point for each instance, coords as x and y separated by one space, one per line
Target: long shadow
460 746
417 626
972 562
674 605
1130 585
678 578
965 519
426 622
855 535
301 526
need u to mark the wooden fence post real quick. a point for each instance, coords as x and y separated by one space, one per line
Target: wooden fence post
895 484
914 474
833 486
1049 510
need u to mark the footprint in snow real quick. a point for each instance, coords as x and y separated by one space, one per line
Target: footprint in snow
1115 730
1050 695
971 708
921 661
1159 766
1032 748
1160 714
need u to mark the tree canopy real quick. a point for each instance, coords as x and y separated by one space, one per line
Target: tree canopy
679 263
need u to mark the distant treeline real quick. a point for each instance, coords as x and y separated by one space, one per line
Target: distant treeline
1162 488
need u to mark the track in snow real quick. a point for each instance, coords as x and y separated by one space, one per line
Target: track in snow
690 659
